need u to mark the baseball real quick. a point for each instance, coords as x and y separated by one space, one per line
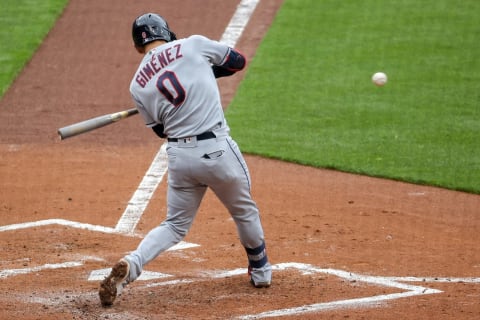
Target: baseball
379 79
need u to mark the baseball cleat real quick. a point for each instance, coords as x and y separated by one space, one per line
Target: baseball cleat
112 285
261 277
265 284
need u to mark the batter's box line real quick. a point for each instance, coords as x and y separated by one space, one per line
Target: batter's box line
94 275
392 282
5 273
63 222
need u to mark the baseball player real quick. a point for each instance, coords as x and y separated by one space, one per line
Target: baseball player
175 91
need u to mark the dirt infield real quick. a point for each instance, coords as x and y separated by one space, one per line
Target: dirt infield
343 246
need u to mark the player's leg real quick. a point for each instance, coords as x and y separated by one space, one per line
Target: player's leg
237 200
183 200
234 192
183 205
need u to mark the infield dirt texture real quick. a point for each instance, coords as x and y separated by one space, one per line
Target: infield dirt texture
343 246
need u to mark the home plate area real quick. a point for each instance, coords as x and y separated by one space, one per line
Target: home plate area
351 290
298 290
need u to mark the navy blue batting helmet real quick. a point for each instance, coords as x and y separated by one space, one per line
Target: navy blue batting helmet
150 27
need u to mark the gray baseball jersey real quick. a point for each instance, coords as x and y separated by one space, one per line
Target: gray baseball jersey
183 112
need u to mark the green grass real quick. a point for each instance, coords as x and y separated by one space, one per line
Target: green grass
308 98
23 26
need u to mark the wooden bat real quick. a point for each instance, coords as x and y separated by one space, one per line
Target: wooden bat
94 123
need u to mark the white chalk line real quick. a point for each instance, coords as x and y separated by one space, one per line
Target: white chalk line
98 275
62 222
238 22
435 279
141 197
49 266
15 272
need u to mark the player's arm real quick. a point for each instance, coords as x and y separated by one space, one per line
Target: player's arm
233 62
158 129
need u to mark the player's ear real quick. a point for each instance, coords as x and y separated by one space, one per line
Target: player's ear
140 50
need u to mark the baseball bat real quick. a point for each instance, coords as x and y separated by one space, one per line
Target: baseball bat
94 123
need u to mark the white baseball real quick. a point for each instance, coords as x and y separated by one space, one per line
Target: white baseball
379 79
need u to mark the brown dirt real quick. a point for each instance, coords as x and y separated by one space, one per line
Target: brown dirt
320 218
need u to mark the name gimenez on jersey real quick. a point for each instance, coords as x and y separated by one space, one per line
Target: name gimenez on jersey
158 61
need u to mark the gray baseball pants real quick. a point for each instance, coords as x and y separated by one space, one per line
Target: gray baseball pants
193 166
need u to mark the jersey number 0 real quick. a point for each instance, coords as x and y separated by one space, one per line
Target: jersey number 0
171 88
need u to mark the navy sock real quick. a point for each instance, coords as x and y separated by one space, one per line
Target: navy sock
257 257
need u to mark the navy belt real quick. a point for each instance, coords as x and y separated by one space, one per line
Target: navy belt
203 136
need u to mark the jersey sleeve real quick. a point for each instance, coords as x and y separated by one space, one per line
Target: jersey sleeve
149 122
225 60
216 52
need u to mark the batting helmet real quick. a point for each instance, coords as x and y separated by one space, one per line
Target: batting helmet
150 27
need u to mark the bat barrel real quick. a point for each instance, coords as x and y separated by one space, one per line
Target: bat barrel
95 123
78 128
